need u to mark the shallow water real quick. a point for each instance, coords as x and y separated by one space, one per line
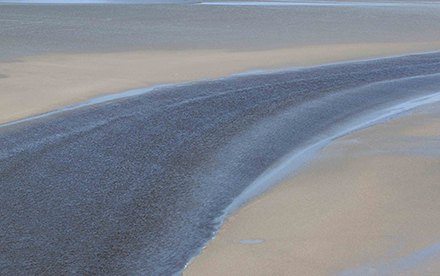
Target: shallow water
42 29
135 186
105 2
320 3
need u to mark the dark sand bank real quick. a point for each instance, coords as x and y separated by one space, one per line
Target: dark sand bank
134 187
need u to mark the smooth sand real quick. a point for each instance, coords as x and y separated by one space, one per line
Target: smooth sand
56 55
42 83
367 205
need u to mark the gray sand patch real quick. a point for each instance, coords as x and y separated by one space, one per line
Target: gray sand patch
3 76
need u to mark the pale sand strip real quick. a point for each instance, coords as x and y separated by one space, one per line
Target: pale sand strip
367 205
39 84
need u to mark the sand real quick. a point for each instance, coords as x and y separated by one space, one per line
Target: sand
54 55
355 207
367 205
38 84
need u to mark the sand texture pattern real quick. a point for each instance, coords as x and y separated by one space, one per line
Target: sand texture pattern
368 205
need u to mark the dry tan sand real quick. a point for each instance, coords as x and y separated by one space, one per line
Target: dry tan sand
368 205
39 84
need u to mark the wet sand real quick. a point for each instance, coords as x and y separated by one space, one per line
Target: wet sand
43 83
367 205
135 186
56 55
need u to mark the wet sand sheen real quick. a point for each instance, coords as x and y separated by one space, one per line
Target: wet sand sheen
367 205
80 52
156 168
136 186
44 83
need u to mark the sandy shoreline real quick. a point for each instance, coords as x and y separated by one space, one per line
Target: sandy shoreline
39 84
156 171
353 209
60 55
366 206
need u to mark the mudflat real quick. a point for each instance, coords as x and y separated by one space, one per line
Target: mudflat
57 55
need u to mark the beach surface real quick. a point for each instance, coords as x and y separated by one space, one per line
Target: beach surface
366 205
138 183
137 186
44 83
55 55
